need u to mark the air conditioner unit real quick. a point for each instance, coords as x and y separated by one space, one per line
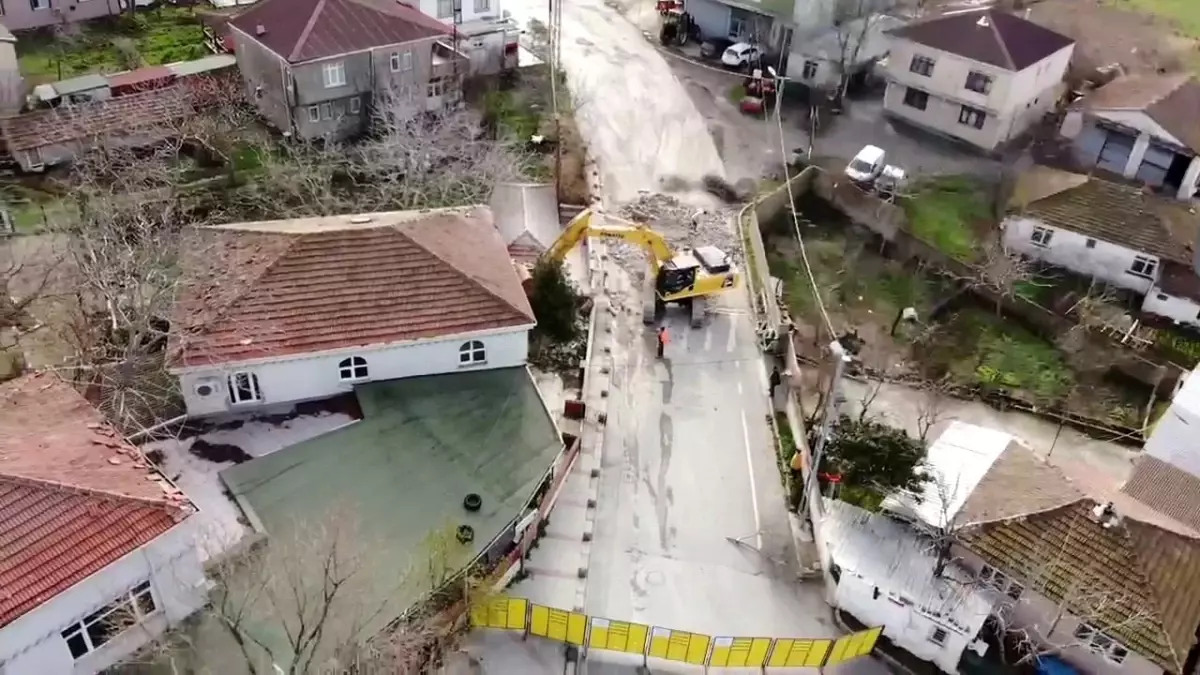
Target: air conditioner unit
207 387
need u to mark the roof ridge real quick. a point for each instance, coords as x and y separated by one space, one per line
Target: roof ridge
472 280
1157 611
308 27
57 486
991 15
1027 514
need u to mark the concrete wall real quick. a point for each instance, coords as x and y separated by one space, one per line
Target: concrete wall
314 376
1174 437
906 628
33 644
12 90
267 81
1105 261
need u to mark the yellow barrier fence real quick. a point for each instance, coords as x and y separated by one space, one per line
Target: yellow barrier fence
581 630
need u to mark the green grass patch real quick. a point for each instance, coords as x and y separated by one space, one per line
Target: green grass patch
787 442
945 212
1185 14
736 93
991 352
514 115
150 37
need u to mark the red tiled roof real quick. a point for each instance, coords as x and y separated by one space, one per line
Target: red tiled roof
279 288
74 496
302 30
135 113
142 79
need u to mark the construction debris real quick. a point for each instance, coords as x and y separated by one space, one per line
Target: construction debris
683 226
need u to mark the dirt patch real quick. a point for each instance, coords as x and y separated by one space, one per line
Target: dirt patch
1107 34
219 452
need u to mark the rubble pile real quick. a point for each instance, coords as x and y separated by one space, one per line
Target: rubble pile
684 226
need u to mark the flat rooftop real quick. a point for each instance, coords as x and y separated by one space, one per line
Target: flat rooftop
402 472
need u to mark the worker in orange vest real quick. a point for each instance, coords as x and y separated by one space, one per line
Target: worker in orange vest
663 339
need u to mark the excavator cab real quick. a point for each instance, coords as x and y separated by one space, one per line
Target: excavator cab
677 275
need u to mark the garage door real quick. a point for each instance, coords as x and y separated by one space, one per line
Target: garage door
1155 164
1115 153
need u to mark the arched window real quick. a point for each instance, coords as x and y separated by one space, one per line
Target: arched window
471 353
353 368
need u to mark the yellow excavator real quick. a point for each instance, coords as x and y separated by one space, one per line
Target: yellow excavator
688 277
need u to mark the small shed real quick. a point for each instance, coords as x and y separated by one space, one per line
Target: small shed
142 79
80 90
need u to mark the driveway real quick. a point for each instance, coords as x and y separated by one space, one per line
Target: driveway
750 146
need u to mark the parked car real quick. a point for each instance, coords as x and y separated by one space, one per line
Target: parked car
891 181
866 165
740 55
713 48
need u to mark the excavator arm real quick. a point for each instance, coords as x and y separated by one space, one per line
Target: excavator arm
581 227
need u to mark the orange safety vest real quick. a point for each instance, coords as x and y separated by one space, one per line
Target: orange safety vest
663 338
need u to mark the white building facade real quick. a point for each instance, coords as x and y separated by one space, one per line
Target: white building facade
1088 256
245 386
153 588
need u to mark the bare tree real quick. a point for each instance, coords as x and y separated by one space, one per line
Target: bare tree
1000 273
854 20
931 406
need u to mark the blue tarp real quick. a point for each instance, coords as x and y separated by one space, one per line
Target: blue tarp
1052 665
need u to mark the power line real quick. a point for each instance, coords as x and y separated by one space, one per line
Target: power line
779 84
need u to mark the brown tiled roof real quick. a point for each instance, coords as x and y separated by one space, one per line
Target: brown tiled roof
302 30
1147 566
1003 40
1167 489
1170 100
1016 484
138 113
278 288
1119 214
74 496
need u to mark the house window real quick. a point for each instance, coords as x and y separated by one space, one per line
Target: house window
445 9
483 6
314 113
101 626
334 74
353 368
326 111
921 65
39 4
915 98
1098 642
471 353
339 109
978 82
1143 266
810 70
243 388
994 578
1041 236
436 87
938 636
401 61
972 117
355 105
1090 243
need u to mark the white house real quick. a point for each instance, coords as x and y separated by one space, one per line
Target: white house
286 311
482 31
1110 232
97 550
1167 474
980 77
884 572
853 46
1142 127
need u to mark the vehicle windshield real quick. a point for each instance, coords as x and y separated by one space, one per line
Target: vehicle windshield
860 166
732 51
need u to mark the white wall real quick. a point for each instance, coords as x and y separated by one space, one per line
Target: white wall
315 376
1017 99
33 644
1107 262
1173 439
469 13
902 625
1180 310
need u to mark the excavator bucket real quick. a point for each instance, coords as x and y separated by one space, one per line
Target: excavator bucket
649 302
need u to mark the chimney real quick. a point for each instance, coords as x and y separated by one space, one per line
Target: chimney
260 30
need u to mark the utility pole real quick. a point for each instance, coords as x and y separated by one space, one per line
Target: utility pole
840 359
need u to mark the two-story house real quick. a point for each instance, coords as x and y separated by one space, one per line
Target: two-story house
39 13
481 30
318 68
1142 127
979 77
279 312
98 551
1083 572
1114 233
